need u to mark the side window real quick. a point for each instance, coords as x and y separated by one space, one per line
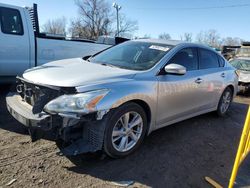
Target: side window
11 22
186 57
208 59
221 61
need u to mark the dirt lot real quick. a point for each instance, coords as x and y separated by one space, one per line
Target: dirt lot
180 155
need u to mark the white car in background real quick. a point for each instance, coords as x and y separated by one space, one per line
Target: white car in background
242 64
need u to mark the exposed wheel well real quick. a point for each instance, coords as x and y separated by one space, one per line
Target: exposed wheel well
146 108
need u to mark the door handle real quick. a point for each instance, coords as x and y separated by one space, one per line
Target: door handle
198 80
223 75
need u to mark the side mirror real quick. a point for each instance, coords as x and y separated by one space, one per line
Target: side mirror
175 69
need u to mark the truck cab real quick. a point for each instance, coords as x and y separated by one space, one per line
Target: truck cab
17 41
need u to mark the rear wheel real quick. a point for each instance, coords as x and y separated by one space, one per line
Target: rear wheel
125 130
225 101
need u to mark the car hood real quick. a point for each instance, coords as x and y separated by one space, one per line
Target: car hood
244 76
75 72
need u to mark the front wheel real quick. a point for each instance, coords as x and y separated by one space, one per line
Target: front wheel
125 130
225 101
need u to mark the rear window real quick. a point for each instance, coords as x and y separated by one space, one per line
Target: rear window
11 22
208 59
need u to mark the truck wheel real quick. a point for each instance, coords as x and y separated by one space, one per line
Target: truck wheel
125 130
225 101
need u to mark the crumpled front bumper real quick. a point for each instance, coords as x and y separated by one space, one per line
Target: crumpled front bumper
39 125
22 112
243 87
82 136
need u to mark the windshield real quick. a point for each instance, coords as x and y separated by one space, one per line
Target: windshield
241 64
132 55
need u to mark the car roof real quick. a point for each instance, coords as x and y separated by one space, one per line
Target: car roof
174 43
161 41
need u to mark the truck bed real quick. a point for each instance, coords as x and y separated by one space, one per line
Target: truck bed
53 49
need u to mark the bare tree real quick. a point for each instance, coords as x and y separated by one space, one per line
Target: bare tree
187 37
210 37
164 36
126 26
95 19
77 30
200 37
230 41
213 38
56 26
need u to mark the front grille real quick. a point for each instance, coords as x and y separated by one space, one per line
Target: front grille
35 95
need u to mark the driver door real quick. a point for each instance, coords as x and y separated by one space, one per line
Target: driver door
14 42
180 96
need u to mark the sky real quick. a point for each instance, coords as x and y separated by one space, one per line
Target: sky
229 17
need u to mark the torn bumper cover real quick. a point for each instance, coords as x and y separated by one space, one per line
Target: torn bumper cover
77 135
22 112
243 87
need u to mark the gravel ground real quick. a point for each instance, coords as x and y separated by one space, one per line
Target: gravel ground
180 155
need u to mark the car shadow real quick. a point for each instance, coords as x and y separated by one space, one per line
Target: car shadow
180 155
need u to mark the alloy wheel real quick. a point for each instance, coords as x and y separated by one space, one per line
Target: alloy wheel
226 100
127 131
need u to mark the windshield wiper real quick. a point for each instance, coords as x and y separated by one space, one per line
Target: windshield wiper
109 65
87 58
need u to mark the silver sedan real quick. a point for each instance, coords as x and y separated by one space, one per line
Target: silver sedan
112 100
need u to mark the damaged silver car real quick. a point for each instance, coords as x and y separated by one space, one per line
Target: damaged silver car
112 100
242 64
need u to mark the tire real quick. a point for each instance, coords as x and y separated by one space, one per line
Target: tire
225 101
121 140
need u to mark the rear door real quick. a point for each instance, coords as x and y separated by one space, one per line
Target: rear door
212 69
14 45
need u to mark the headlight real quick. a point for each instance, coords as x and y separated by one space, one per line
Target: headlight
79 103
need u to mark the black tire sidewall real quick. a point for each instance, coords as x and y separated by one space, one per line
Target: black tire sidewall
219 112
115 116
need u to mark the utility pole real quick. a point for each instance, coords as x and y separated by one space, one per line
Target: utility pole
117 7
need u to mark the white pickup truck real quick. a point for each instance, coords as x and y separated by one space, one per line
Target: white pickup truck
22 46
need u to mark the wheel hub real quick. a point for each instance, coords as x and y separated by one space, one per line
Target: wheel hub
127 131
